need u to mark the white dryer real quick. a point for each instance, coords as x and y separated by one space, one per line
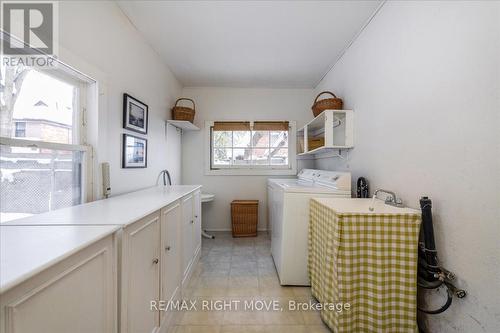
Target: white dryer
288 212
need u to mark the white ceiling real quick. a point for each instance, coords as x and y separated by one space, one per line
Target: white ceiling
276 44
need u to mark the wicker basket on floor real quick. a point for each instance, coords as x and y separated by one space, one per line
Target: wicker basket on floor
244 217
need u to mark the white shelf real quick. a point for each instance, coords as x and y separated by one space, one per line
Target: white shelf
184 125
334 127
322 150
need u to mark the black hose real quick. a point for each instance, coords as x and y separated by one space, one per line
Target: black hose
444 307
429 284
428 267
428 231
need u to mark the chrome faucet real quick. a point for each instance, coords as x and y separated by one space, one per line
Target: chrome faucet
391 199
166 176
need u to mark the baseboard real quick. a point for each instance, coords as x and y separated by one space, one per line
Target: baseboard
171 317
192 265
228 230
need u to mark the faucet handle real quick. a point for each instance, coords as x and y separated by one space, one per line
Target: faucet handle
394 201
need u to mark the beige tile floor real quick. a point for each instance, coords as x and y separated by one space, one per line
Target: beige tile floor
241 269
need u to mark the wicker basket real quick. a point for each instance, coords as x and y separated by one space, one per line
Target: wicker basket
314 143
183 112
245 217
326 104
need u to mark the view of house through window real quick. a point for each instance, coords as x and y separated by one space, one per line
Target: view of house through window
43 108
240 145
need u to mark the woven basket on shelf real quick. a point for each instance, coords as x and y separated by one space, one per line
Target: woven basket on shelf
313 143
326 104
244 217
183 112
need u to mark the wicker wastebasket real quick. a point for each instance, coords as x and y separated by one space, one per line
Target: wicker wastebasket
245 217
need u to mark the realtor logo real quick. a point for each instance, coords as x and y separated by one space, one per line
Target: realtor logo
30 28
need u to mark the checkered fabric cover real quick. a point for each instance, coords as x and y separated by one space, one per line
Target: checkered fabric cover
368 261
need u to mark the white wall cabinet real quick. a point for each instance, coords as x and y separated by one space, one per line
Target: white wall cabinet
330 130
75 295
140 275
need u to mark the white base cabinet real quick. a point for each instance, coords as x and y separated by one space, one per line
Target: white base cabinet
77 294
171 255
111 284
197 222
187 234
140 275
158 254
191 233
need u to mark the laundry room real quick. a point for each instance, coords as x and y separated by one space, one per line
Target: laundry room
249 166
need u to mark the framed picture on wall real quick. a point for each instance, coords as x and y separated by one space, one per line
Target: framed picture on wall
135 114
135 152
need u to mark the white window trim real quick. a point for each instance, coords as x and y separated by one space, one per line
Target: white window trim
254 170
87 161
69 74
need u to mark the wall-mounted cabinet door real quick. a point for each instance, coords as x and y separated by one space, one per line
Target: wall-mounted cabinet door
140 275
187 233
170 252
197 222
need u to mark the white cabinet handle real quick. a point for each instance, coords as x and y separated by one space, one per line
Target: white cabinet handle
167 248
155 261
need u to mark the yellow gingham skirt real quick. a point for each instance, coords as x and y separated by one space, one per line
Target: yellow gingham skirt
368 261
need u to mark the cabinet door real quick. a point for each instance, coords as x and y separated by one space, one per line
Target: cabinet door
75 295
140 275
187 233
170 252
197 222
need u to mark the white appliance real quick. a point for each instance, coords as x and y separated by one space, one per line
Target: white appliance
288 209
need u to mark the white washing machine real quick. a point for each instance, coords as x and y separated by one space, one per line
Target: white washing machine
288 211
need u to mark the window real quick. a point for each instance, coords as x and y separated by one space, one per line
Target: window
43 159
20 129
250 145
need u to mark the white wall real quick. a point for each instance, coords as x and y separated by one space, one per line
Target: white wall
236 104
423 79
97 38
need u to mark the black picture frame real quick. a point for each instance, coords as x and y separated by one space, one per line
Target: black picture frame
127 163
135 114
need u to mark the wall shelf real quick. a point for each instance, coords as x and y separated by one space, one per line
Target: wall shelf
323 150
183 125
331 131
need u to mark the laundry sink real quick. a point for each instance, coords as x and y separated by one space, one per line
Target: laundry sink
362 256
362 206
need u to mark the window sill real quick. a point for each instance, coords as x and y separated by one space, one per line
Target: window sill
250 172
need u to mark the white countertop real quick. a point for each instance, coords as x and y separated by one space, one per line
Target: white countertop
27 250
118 210
362 206
31 244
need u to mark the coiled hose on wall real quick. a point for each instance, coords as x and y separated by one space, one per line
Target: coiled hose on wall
430 274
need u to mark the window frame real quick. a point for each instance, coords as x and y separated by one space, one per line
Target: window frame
251 170
83 84
17 129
